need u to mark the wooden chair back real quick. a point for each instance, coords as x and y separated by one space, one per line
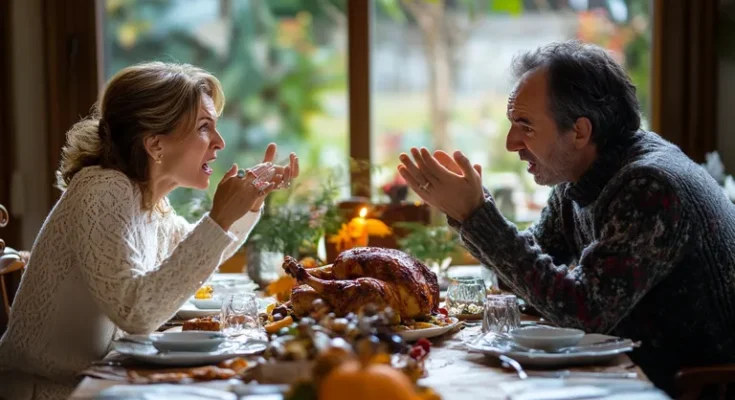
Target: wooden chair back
12 264
707 382
4 218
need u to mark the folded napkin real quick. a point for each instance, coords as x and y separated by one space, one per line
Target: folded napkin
568 389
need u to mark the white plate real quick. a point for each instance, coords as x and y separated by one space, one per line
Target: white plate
542 359
416 334
187 341
227 350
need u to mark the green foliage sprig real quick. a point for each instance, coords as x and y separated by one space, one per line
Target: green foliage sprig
429 243
295 220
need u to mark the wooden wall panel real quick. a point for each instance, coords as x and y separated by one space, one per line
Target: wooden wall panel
685 74
71 69
11 233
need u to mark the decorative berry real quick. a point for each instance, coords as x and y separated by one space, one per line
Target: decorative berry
417 353
424 343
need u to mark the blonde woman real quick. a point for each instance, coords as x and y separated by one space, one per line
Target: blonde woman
112 257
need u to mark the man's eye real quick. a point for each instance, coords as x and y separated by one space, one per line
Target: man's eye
526 129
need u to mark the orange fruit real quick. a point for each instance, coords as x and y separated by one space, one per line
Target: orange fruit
376 381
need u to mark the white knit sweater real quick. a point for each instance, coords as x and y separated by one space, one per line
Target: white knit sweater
102 265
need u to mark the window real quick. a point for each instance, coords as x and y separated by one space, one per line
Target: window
439 74
282 65
441 77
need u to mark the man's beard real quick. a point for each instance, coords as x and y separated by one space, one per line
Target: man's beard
556 169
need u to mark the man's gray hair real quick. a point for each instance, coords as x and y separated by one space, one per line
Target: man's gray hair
585 81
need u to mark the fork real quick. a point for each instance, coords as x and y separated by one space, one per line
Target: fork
508 362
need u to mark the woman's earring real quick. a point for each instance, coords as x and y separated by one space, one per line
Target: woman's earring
158 160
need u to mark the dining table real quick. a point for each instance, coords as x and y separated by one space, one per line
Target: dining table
453 370
456 373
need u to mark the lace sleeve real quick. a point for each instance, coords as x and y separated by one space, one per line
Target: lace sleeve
241 229
136 297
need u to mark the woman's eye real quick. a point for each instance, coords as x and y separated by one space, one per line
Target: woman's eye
203 128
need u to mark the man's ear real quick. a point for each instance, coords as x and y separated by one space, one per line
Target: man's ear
582 132
153 146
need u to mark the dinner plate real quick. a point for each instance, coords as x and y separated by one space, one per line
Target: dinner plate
601 354
416 334
229 349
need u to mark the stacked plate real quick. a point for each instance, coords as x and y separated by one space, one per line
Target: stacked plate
546 346
186 348
222 284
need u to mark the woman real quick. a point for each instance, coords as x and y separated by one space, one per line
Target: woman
112 257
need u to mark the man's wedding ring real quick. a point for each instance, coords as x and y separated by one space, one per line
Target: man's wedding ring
424 187
241 173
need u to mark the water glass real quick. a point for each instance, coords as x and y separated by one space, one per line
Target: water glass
465 295
239 315
502 314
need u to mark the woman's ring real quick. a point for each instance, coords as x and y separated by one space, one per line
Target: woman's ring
425 186
241 173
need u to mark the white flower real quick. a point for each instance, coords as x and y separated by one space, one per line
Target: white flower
729 188
714 166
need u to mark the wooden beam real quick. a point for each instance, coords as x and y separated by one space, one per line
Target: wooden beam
71 70
685 75
358 33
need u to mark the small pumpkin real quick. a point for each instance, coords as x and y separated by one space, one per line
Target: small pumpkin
355 381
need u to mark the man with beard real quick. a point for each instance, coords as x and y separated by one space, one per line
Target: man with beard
636 241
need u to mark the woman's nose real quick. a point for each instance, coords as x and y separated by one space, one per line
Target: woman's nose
514 140
218 142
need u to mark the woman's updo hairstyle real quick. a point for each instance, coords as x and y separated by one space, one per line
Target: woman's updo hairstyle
147 99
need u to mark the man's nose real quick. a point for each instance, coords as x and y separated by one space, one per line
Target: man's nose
514 141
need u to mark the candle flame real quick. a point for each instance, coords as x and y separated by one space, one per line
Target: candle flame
363 212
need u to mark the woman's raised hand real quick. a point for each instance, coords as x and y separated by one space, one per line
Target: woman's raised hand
281 175
236 195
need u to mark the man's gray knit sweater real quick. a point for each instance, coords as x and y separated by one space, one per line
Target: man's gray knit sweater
643 246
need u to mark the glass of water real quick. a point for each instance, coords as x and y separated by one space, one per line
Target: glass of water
239 315
501 314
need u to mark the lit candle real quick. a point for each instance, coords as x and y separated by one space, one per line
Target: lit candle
362 231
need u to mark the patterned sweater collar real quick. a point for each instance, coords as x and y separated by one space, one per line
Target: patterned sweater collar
608 163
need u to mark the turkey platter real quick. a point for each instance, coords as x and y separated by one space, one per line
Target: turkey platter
367 275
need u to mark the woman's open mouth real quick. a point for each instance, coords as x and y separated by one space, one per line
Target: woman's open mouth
206 168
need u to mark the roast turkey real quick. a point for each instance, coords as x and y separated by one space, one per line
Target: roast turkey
367 275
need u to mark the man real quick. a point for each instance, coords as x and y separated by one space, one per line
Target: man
636 241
